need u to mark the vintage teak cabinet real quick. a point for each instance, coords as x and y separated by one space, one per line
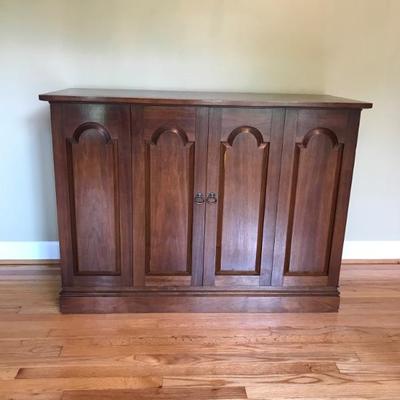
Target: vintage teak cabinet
206 202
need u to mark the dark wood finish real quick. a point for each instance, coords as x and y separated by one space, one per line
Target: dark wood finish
125 96
169 174
93 171
92 165
244 156
317 160
219 202
170 145
202 301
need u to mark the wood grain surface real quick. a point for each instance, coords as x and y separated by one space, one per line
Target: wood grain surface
354 354
200 98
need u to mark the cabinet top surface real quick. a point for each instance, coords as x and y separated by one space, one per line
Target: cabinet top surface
200 98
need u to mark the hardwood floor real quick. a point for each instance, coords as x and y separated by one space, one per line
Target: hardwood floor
354 354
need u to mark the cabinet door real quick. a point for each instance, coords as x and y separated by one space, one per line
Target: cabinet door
244 151
169 160
317 163
92 165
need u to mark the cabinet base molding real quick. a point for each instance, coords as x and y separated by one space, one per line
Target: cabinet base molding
212 301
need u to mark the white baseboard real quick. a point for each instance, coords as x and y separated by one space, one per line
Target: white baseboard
29 251
360 250
371 250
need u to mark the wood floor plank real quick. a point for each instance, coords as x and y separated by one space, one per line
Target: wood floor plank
29 395
159 394
8 373
372 368
60 384
327 391
264 352
22 349
166 336
222 368
272 379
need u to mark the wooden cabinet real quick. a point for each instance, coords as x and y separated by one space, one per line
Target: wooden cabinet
171 201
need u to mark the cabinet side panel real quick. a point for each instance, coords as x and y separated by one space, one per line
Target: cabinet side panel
343 197
61 179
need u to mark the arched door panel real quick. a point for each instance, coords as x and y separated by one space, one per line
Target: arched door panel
317 160
92 143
